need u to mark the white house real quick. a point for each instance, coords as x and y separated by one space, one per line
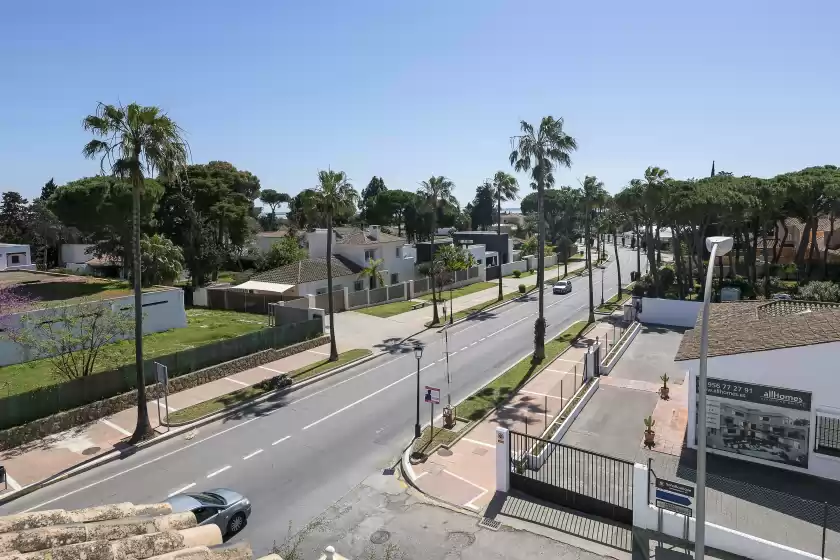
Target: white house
15 257
306 277
79 258
772 386
360 246
265 239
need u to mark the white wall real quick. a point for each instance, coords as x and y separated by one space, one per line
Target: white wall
75 253
804 368
317 243
162 310
311 288
671 312
508 268
479 253
25 262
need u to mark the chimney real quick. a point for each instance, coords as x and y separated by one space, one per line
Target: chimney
374 232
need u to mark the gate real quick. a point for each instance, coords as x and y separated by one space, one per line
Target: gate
575 478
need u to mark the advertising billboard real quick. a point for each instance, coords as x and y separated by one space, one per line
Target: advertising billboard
759 421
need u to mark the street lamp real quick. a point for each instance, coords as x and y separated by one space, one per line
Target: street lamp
717 246
602 284
418 353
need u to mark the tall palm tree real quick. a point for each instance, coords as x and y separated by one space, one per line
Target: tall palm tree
134 142
373 271
592 189
539 151
436 190
505 187
333 196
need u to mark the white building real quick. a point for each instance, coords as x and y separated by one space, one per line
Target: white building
359 247
15 257
773 388
265 239
306 277
79 258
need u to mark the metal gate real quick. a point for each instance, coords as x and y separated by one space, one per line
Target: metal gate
583 480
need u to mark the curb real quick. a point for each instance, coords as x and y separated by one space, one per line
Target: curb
110 456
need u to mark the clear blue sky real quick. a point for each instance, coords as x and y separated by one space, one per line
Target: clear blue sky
406 90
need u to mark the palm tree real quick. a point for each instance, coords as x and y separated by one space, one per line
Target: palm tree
614 219
334 195
539 151
134 142
505 187
437 189
592 189
373 271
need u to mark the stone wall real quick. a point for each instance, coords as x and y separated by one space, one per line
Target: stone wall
19 435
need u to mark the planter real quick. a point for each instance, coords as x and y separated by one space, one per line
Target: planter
649 438
663 392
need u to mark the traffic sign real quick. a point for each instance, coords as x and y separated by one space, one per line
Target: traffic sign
161 373
674 507
675 487
674 496
432 395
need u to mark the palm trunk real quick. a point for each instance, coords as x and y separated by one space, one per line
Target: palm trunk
754 254
780 243
333 347
143 428
676 248
617 264
825 250
638 249
539 327
766 268
589 265
435 316
651 255
658 248
499 233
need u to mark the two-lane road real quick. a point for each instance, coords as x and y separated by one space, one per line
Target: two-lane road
295 456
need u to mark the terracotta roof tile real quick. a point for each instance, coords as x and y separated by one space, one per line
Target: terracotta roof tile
308 270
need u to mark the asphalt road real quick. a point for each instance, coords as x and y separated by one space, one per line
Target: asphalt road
296 456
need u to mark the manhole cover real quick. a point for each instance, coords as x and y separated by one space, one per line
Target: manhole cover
488 523
380 537
91 450
460 539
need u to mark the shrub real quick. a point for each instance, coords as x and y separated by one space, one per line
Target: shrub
819 291
274 383
522 288
666 278
517 273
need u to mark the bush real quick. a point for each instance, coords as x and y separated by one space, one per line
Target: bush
522 288
666 278
274 383
819 291
517 273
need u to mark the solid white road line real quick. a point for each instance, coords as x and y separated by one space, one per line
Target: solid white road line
281 440
475 441
272 369
462 479
237 381
184 489
13 484
140 466
363 399
114 426
214 473
254 454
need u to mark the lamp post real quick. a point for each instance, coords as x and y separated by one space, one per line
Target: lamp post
717 246
418 353
602 284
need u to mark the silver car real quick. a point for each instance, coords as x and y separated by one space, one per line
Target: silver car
220 506
562 287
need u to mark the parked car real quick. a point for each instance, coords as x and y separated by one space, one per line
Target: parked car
782 296
220 506
562 287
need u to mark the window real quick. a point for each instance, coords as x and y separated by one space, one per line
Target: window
395 278
15 259
370 254
827 437
204 513
320 291
765 418
208 498
358 285
399 252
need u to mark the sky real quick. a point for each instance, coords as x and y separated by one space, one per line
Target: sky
409 89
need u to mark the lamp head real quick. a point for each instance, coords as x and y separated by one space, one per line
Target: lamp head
418 351
724 244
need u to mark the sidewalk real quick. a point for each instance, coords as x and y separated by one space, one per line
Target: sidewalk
465 475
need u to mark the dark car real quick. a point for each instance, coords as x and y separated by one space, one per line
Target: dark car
220 506
562 287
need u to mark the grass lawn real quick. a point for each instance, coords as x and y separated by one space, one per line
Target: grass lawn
203 327
325 365
442 437
615 302
462 291
497 391
387 309
242 395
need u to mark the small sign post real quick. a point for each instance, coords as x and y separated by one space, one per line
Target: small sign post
674 496
3 477
433 398
162 377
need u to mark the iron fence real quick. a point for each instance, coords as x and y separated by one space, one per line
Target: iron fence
827 440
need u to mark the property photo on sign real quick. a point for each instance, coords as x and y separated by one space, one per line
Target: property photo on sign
432 395
767 423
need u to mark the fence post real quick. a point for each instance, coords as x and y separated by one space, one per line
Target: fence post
502 459
825 522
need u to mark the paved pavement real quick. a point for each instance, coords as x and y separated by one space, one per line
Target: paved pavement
295 455
465 475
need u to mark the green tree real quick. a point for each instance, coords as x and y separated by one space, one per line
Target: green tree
481 209
13 217
392 205
505 187
133 142
285 251
819 291
273 200
592 189
333 196
373 272
449 260
162 260
436 190
539 151
368 201
47 190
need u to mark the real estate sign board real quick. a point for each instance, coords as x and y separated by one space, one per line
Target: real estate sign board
758 421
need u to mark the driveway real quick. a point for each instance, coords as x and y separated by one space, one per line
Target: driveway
650 355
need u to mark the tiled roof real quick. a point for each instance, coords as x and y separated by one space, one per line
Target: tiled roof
308 270
752 326
114 531
355 236
824 223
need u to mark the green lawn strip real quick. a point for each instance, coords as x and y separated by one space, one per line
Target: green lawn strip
204 326
500 389
311 370
442 437
388 309
458 292
614 302
242 395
